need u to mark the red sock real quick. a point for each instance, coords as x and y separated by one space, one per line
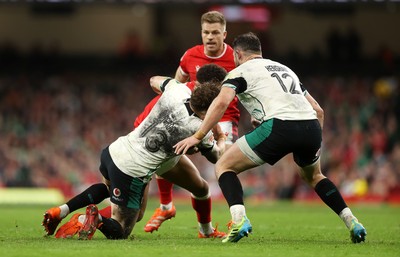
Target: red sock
106 212
165 190
203 209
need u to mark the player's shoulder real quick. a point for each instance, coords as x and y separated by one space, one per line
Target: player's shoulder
171 82
195 50
229 49
175 85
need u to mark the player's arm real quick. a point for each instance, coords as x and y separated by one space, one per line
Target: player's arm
315 105
158 83
180 76
317 108
214 114
213 151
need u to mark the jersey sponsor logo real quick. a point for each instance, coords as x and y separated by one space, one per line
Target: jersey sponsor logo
117 192
116 195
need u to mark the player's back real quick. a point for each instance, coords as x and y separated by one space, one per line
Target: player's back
151 143
271 90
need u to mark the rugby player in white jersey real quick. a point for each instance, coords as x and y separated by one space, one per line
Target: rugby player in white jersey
271 92
128 163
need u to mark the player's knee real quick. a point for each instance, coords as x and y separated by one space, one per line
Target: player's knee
140 216
201 190
222 166
112 229
311 175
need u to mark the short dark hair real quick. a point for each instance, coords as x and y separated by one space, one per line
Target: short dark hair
210 72
203 95
247 42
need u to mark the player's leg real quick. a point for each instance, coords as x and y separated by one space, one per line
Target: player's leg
165 193
128 201
307 156
232 162
106 211
123 219
188 177
121 222
267 143
76 223
166 210
331 196
92 195
127 195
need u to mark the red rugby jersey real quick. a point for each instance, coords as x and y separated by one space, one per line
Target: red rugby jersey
194 58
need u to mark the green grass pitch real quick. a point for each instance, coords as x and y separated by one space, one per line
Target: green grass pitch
286 229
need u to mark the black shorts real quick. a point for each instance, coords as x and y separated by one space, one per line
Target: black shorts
124 190
274 138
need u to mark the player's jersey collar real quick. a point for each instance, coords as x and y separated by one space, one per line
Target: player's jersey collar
187 105
215 57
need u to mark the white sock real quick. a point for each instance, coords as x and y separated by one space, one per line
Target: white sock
238 212
166 207
206 228
64 210
81 218
347 216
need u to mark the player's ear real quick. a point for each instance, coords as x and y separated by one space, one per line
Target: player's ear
237 54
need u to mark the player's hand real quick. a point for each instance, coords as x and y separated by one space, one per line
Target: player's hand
221 146
183 146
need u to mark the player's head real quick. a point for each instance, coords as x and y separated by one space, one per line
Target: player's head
210 72
213 32
202 97
245 45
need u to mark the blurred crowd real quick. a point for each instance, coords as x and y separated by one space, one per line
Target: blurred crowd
53 127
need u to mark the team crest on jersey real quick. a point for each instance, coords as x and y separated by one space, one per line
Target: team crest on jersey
197 68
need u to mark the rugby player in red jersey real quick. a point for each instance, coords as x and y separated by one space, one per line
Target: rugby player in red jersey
213 50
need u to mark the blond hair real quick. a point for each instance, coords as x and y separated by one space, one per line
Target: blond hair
213 17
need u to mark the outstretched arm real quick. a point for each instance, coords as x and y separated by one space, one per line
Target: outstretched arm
317 108
156 83
214 114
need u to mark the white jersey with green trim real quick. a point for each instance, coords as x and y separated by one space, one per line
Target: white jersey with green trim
149 148
268 89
